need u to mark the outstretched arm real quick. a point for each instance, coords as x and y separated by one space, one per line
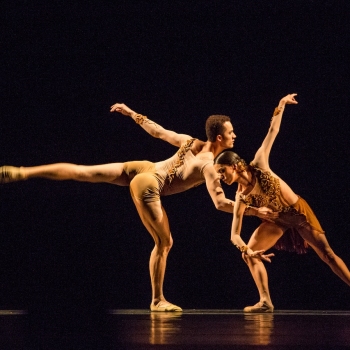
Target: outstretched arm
151 127
261 158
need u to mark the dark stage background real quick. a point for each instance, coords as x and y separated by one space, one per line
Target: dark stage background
79 247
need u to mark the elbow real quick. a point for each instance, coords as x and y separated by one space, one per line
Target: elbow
234 239
155 134
220 205
274 129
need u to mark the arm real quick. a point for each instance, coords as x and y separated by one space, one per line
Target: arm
212 181
261 158
236 238
151 127
216 192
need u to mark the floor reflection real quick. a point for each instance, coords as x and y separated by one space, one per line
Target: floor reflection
164 327
219 329
259 327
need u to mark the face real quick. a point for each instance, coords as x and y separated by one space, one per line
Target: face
227 173
228 138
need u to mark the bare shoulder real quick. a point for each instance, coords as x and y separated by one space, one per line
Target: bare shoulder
197 146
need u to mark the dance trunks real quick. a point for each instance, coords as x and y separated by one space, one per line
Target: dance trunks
291 218
179 173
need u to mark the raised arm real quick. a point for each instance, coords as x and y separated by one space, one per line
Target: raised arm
151 127
261 158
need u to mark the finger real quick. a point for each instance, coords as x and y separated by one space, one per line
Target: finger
115 105
266 258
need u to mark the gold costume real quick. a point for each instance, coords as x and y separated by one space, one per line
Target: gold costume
180 172
267 193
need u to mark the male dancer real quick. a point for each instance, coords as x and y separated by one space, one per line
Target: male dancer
191 166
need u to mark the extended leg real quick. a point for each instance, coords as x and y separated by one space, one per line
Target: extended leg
112 173
319 243
263 238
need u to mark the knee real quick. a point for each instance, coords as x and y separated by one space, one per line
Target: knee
328 256
247 259
80 172
72 171
85 173
251 262
164 245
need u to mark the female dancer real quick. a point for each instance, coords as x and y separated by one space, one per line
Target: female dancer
296 225
192 165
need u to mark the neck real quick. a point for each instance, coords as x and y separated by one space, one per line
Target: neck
246 180
212 147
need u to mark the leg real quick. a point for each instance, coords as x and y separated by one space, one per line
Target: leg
263 238
155 220
112 173
319 243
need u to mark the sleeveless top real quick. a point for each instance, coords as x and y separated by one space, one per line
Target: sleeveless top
266 192
183 170
292 218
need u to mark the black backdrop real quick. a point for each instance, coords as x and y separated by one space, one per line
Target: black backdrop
78 246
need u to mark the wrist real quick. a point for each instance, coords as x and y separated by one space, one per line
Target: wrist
250 211
133 115
243 248
139 118
281 104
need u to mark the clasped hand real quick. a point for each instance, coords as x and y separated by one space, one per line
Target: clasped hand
266 214
259 254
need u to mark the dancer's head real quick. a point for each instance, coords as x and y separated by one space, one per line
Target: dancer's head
227 164
219 128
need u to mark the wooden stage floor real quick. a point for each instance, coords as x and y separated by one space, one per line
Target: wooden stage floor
229 329
191 329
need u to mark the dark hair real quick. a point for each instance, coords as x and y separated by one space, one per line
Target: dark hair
214 126
230 158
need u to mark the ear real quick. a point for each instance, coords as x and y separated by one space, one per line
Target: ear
219 138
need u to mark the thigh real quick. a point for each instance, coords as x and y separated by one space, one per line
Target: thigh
154 218
145 194
317 240
122 173
265 236
112 173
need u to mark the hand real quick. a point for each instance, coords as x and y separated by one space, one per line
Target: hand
266 214
122 108
259 254
289 99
